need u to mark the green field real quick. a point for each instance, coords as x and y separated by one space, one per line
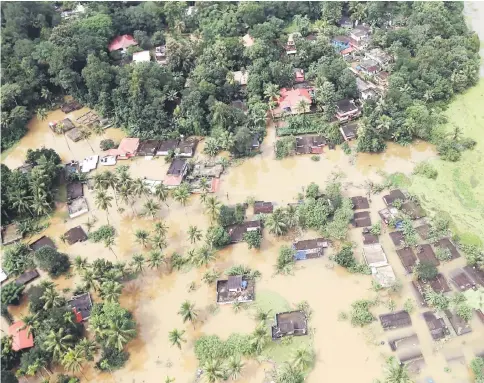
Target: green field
458 190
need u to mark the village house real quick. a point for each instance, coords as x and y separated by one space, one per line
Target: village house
161 55
10 234
127 148
27 277
349 131
347 53
147 148
365 89
298 75
207 169
393 196
309 248
143 56
74 235
74 134
290 323
241 77
186 148
261 207
89 163
81 306
166 147
361 219
290 46
345 22
77 207
70 106
42 242
340 42
346 110
22 337
310 144
381 78
360 203
247 40
235 288
369 67
121 43
374 255
236 232
398 319
294 101
360 33
388 214
62 126
378 55
384 275
176 173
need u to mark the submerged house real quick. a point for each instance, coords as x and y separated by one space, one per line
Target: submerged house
290 323
236 232
127 148
148 148
309 248
22 337
74 235
235 289
166 147
346 110
186 148
310 144
81 306
77 207
349 131
263 207
176 173
374 255
388 214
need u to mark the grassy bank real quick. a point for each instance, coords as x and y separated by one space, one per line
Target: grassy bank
458 190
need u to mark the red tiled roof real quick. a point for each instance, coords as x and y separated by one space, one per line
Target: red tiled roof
170 180
126 146
347 50
122 42
78 315
290 98
299 74
20 337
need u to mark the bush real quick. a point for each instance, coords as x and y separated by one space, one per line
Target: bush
112 359
285 147
107 144
67 379
17 258
11 294
376 229
218 237
346 148
312 191
34 295
345 257
467 143
245 271
360 313
50 260
426 170
316 158
285 260
435 300
101 234
473 254
211 347
253 239
449 151
408 306
464 311
443 254
426 271
477 367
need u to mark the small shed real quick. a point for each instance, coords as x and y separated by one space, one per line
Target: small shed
74 190
41 242
10 234
398 319
263 207
374 255
26 277
360 203
361 219
436 325
397 238
393 196
22 338
408 258
74 235
427 255
81 306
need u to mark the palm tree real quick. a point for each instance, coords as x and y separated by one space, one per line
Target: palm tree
109 243
31 322
289 373
103 202
73 359
396 372
138 262
271 92
162 192
160 228
20 201
213 371
51 298
204 185
259 338
41 114
292 217
234 367
204 256
88 348
194 234
110 181
119 332
188 312
57 342
262 316
139 187
98 181
212 208
303 358
158 241
142 237
176 337
85 134
111 291
40 205
155 259
80 264
89 280
151 208
276 222
203 198
181 194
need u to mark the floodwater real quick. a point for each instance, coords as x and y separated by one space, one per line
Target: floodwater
343 353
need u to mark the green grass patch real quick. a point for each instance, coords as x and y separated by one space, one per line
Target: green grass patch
6 152
456 191
398 180
291 27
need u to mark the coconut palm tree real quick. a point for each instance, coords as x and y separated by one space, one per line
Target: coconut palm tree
276 222
203 198
119 332
41 114
111 291
72 360
194 234
58 342
204 185
303 358
88 348
181 194
98 181
89 280
20 201
213 371
138 262
85 134
109 180
160 228
271 92
158 241
188 312
31 323
151 208
234 367
80 264
125 193
139 188
176 337
103 202
51 298
109 243
396 372
162 193
289 373
261 316
204 256
212 208
142 237
259 338
155 259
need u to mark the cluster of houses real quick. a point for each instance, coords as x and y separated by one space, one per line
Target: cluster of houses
122 43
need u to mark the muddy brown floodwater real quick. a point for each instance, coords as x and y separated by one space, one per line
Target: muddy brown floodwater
344 353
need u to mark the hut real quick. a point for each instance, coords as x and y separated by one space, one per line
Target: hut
81 306
403 342
290 323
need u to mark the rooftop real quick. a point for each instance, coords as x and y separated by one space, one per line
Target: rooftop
236 232
447 244
10 234
310 144
41 242
360 202
74 134
177 167
241 77
207 169
346 106
423 231
74 235
89 163
392 196
413 210
349 131
374 255
166 146
74 190
26 277
461 279
476 274
460 326
235 289
77 207
361 219
81 306
290 323
148 147
310 248
187 147
398 319
384 275
426 254
397 238
142 56
247 40
369 239
436 325
21 338
290 99
407 257
263 207
121 42
127 146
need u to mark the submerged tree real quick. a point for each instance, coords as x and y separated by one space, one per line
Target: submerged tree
176 337
188 312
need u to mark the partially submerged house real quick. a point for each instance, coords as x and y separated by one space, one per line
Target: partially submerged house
360 202
423 231
127 148
460 326
22 337
187 147
384 275
176 172
309 248
74 190
393 196
361 219
43 241
148 148
74 235
388 214
26 277
81 306
263 207
10 234
161 55
236 232
349 131
121 43
143 56
310 144
397 238
290 323
408 258
436 325
62 126
235 289
166 147
71 106
476 274
438 284
404 342
369 239
398 319
346 110
74 134
413 210
413 360
77 207
207 170
461 280
426 254
374 255
446 243
89 163
294 101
